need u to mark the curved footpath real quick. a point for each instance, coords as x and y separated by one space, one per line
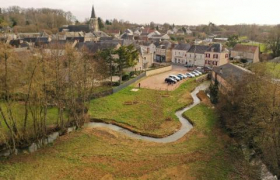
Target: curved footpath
185 128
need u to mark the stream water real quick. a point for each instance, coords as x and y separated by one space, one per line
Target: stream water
185 128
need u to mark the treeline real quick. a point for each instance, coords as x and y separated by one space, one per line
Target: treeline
45 90
34 20
251 112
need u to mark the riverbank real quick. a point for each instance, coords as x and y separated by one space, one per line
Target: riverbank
145 111
100 153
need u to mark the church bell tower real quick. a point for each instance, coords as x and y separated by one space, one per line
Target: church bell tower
93 24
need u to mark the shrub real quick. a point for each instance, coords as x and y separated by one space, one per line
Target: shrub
116 83
125 77
132 73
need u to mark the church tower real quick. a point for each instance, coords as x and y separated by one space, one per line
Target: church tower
93 23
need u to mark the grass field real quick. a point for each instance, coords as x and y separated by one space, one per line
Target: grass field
204 153
152 112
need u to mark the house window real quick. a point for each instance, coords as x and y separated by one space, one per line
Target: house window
215 56
226 55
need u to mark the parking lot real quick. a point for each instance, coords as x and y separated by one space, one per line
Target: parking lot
157 81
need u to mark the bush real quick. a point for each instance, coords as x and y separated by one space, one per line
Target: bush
125 77
132 73
116 83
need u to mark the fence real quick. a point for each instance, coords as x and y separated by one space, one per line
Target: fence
124 85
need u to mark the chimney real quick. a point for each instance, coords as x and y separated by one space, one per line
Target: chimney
221 70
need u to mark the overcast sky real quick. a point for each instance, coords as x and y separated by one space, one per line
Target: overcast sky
172 11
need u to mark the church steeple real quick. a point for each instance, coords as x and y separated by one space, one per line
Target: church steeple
93 13
93 23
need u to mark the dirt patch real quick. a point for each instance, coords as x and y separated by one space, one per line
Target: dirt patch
204 98
130 102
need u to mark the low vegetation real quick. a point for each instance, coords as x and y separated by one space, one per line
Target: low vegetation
153 112
205 153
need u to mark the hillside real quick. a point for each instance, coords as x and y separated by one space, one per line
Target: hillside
34 20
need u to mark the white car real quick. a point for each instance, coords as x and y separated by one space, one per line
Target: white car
183 75
190 75
198 72
174 77
194 73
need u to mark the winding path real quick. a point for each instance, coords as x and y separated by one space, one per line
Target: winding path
185 128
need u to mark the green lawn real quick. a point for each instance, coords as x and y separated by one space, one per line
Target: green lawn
152 112
205 153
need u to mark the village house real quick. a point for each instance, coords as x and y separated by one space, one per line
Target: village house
149 47
196 55
163 51
245 52
114 33
180 32
179 53
226 75
216 55
144 61
159 37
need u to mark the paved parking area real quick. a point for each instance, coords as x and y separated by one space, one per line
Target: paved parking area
157 81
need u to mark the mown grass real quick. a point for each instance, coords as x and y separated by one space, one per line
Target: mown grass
205 153
152 112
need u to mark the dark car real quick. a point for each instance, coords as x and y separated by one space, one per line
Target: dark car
170 81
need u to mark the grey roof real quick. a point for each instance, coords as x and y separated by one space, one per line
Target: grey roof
127 42
92 13
76 28
231 72
199 49
182 47
106 38
94 47
72 39
216 48
166 44
100 34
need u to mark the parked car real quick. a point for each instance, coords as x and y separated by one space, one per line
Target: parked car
175 77
196 74
183 75
170 81
190 75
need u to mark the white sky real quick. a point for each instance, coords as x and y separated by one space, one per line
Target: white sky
189 12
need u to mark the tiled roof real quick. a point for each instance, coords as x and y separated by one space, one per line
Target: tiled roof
215 47
76 28
182 47
199 49
245 48
231 72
